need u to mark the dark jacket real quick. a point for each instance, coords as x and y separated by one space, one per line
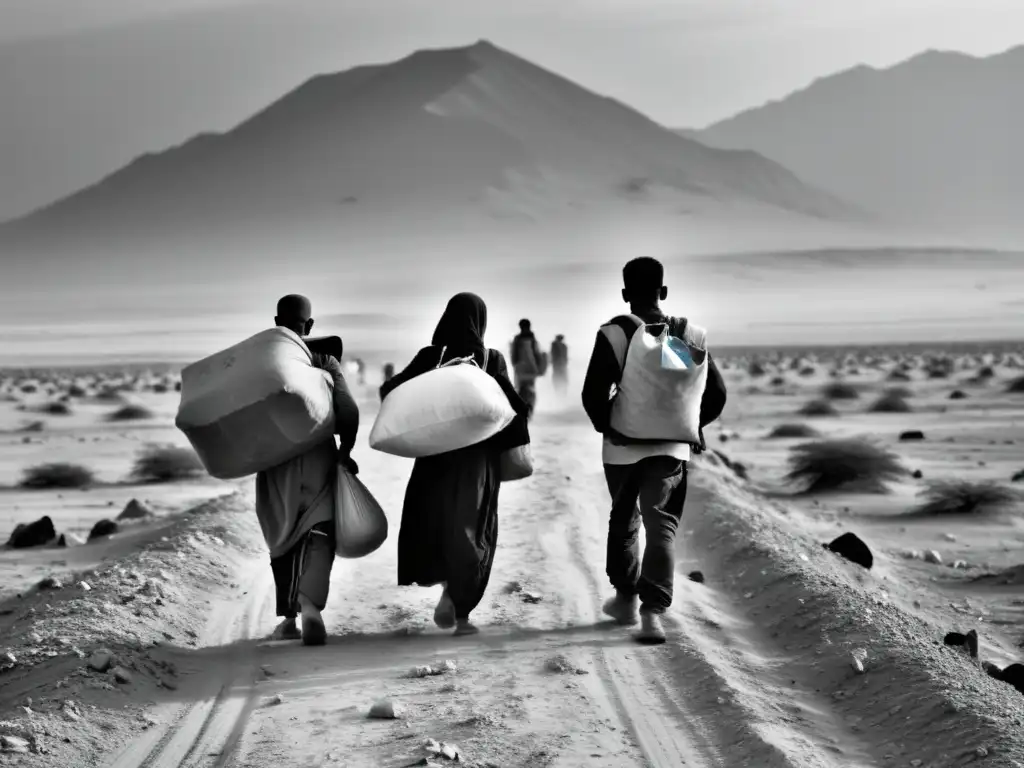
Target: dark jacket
603 372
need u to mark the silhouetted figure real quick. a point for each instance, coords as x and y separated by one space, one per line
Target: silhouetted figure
560 364
389 371
527 364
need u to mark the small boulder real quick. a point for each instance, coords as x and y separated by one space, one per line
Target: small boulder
102 529
933 557
911 434
14 744
1018 477
850 546
1014 675
100 660
968 642
135 510
70 540
34 534
696 576
957 394
917 474
386 709
121 675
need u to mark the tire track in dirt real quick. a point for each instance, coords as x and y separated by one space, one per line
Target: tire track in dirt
196 731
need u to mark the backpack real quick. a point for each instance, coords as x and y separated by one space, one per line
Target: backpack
664 373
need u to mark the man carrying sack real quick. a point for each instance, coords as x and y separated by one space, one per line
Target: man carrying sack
295 501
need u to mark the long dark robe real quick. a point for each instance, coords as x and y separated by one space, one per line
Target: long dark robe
449 529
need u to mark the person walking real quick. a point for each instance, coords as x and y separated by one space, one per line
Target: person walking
647 473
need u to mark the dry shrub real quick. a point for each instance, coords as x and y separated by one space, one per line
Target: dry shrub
840 390
890 402
131 412
903 392
898 375
783 431
166 464
819 408
986 372
57 475
808 372
56 409
850 464
756 370
76 390
778 381
961 497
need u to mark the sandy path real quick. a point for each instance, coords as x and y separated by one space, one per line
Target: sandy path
721 692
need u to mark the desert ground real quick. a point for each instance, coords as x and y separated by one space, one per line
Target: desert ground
149 645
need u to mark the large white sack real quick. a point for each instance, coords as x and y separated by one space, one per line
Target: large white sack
440 411
255 405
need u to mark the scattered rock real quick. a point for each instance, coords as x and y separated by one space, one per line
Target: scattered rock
121 675
912 554
103 528
562 665
531 597
14 744
981 752
51 582
34 534
70 540
917 474
933 557
135 510
386 709
949 537
911 434
957 394
968 642
696 576
850 546
1018 477
857 659
433 670
84 586
272 701
1014 675
100 660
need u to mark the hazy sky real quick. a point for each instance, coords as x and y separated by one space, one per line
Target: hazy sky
86 85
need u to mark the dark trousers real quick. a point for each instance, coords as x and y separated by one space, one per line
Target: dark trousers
306 569
651 491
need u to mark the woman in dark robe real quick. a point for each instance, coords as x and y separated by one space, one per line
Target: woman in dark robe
449 528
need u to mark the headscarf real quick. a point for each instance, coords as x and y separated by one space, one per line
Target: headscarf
462 326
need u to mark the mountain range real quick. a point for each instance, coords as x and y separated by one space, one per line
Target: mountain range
441 135
935 140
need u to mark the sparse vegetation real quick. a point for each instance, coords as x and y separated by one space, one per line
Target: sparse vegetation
57 475
819 408
808 372
783 431
890 402
899 375
56 408
131 412
839 390
165 464
966 498
756 370
852 464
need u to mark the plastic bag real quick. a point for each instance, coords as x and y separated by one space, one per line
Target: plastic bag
515 464
360 525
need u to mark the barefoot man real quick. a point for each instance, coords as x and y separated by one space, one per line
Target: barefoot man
646 477
295 502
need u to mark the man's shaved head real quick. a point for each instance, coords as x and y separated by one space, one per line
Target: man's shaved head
296 313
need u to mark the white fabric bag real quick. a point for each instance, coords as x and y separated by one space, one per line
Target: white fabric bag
255 405
360 525
663 381
451 407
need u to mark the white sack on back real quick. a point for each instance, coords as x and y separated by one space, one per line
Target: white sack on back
255 405
439 411
663 381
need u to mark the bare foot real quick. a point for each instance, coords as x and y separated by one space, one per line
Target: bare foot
465 627
286 630
444 613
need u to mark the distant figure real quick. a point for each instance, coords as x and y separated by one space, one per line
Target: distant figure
295 502
360 371
389 371
646 475
527 363
450 516
560 364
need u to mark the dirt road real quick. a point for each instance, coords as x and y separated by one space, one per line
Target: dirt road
549 682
